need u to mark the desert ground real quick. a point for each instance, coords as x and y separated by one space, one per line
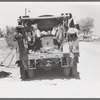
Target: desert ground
53 84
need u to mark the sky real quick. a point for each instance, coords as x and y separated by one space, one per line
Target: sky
10 11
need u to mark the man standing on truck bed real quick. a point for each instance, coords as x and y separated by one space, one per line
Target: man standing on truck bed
37 38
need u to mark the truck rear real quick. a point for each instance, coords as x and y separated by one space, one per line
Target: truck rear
47 42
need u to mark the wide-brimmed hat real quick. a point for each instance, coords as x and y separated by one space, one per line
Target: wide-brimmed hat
72 30
20 26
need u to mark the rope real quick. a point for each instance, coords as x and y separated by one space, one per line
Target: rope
11 60
5 58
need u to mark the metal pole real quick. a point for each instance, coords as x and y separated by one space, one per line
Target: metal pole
25 11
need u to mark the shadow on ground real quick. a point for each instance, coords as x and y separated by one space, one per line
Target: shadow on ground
56 73
4 74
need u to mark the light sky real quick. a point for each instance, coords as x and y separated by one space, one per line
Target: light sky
10 11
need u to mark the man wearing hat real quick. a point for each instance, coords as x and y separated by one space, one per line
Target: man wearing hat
73 42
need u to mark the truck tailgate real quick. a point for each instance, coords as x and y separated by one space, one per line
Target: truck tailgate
45 55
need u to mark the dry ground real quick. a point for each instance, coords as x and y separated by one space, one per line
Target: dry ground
53 84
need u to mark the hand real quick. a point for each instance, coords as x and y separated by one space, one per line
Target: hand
20 35
71 55
26 46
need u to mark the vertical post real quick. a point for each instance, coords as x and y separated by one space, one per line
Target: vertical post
25 11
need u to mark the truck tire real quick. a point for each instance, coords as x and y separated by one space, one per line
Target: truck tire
23 73
66 71
30 73
74 70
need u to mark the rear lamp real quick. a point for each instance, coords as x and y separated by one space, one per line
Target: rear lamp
56 56
41 57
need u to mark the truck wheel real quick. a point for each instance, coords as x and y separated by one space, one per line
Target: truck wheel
30 73
23 73
74 70
66 71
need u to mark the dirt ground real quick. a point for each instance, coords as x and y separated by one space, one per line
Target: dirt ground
53 84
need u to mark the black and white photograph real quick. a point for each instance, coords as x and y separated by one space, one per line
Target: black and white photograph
49 50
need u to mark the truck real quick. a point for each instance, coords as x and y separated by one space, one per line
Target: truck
46 42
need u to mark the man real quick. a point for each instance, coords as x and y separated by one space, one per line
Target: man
37 43
21 42
30 41
73 43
